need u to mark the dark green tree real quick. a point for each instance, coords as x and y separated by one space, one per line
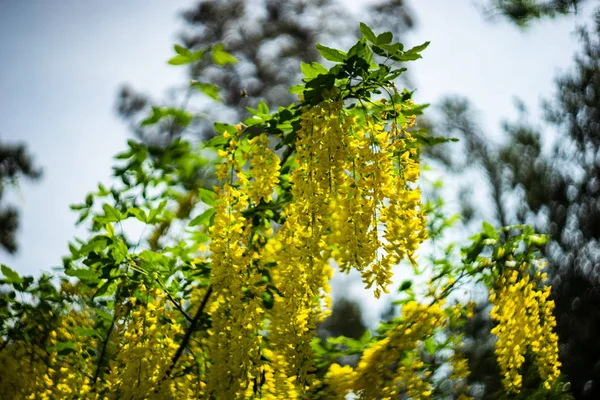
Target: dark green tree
269 39
522 12
15 163
557 192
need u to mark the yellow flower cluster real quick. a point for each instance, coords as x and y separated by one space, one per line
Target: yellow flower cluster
237 315
525 326
340 381
144 342
353 202
379 374
264 168
393 368
27 371
375 217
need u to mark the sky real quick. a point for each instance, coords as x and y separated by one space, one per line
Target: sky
63 61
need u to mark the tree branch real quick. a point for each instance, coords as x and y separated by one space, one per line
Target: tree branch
188 333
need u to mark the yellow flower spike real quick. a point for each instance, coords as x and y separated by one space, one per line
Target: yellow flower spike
525 322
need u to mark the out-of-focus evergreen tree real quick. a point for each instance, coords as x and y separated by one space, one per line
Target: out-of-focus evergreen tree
269 38
557 192
522 12
15 163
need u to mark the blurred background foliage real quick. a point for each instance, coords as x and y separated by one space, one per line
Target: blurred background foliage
552 183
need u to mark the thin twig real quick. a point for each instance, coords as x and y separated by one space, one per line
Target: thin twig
175 303
188 333
103 351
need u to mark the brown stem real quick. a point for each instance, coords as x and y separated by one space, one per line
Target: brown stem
188 333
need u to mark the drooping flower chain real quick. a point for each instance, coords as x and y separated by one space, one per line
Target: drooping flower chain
526 322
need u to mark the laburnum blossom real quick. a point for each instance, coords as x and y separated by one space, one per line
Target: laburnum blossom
525 324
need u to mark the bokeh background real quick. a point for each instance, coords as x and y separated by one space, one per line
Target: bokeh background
517 81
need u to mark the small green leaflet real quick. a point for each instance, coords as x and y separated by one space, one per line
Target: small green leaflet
139 214
368 33
82 274
330 54
419 48
209 89
312 70
405 286
222 127
217 141
112 214
182 117
185 56
208 197
489 230
384 38
179 60
429 346
204 218
85 332
11 275
221 57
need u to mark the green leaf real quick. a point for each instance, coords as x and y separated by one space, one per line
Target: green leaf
429 346
263 108
384 38
182 117
217 141
221 57
208 197
267 298
222 127
360 50
419 48
312 70
185 56
155 212
366 337
204 218
11 275
489 230
157 114
112 214
423 138
538 240
407 57
368 33
209 89
297 89
103 289
179 60
82 274
139 214
179 49
407 284
197 55
330 54
63 347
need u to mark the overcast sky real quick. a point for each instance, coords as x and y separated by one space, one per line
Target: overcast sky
62 61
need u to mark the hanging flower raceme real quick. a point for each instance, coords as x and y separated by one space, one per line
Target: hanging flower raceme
299 249
237 311
351 177
392 366
525 327
376 219
145 341
59 368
